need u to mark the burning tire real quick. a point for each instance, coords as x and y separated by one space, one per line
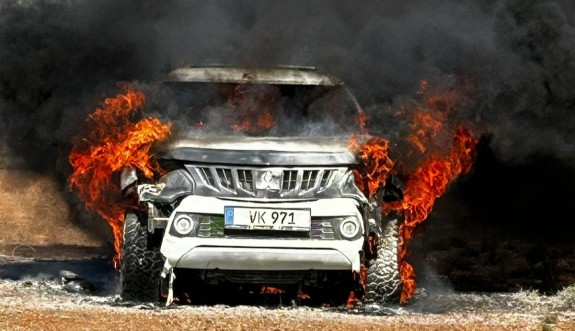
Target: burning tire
383 280
141 263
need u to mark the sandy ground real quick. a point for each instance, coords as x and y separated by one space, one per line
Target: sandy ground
248 318
32 207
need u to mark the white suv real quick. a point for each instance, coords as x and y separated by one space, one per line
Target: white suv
270 202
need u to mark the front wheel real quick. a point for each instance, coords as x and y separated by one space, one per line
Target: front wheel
141 263
383 280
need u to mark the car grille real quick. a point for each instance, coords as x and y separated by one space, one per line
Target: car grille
243 182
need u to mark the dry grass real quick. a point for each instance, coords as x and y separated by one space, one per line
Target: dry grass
253 318
564 299
45 306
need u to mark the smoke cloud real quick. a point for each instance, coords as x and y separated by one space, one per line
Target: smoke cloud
60 58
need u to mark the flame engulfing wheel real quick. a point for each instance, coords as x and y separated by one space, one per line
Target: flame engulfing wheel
383 280
141 263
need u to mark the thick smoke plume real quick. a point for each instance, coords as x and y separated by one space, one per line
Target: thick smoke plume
59 59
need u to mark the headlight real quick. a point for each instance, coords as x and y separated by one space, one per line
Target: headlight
183 224
349 227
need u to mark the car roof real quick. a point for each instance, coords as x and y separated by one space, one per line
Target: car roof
285 75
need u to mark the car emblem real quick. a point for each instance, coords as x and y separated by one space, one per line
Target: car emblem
268 180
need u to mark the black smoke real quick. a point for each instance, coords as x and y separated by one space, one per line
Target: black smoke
59 59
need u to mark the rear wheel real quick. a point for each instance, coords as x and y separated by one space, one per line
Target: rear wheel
141 262
383 280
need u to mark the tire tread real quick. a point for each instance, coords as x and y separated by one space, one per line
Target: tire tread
140 265
383 279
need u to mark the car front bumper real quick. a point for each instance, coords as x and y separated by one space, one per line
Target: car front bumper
267 253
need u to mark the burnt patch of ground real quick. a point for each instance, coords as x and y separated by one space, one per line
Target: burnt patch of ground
96 271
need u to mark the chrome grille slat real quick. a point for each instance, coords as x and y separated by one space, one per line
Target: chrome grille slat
289 180
211 226
207 175
322 229
205 228
225 177
245 179
309 179
324 178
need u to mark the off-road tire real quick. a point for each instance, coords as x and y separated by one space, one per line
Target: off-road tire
383 281
141 263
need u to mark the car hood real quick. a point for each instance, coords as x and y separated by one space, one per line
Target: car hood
300 151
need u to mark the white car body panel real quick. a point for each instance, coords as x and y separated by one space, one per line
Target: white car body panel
263 253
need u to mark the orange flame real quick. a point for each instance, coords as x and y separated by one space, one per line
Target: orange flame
254 107
114 141
430 117
425 126
264 121
355 295
271 290
427 184
431 179
352 300
377 163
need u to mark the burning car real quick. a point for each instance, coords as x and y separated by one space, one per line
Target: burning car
260 189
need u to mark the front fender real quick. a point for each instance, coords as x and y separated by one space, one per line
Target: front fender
171 186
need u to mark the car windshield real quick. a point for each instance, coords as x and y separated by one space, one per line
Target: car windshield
260 109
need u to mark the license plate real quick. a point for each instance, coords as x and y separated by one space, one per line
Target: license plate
267 219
